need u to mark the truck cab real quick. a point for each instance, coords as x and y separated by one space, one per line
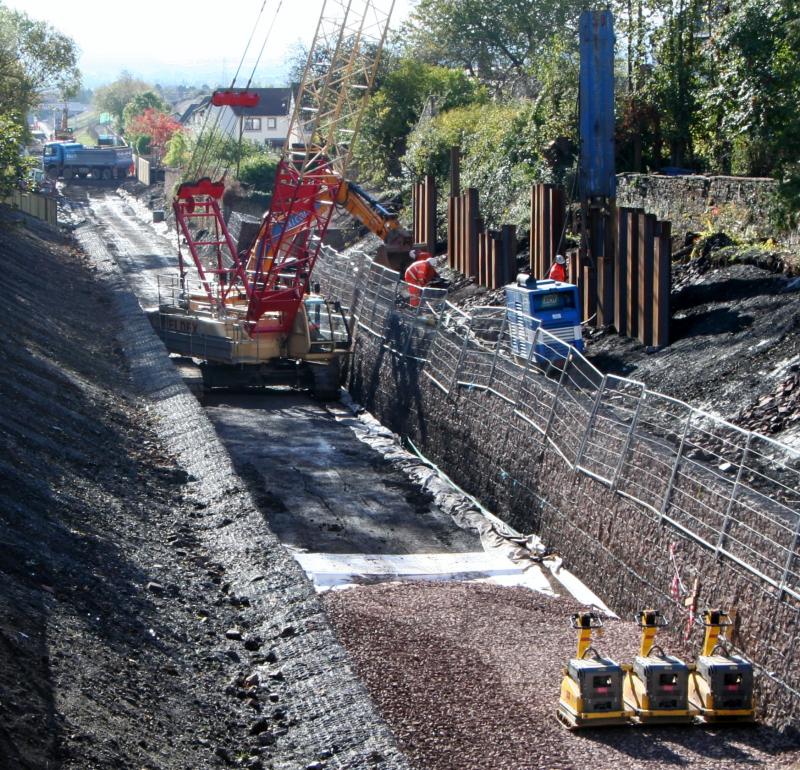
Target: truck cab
551 305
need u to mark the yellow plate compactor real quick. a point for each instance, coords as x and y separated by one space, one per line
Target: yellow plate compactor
591 690
656 685
721 685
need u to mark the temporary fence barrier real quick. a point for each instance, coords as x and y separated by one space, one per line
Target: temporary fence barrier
36 205
142 166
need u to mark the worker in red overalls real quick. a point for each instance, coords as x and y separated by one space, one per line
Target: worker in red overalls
419 274
558 272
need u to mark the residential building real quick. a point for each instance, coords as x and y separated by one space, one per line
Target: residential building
267 123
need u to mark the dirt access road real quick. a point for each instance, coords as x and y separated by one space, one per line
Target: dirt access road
322 490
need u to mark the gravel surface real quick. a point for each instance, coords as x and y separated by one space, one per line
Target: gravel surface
468 675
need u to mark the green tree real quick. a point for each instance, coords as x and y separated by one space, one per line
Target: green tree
13 166
757 93
114 97
178 150
259 171
141 102
142 144
33 57
505 149
396 106
639 139
496 41
215 152
679 74
508 145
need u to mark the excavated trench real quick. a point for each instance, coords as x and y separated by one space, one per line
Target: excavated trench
465 674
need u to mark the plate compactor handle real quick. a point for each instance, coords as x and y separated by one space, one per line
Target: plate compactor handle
715 621
585 623
650 621
586 620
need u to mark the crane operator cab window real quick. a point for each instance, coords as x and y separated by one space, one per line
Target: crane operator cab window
327 329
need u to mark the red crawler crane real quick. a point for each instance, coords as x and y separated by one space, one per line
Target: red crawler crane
245 309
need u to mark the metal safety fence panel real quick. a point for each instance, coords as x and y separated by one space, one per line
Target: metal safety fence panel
734 492
446 348
339 275
609 431
646 468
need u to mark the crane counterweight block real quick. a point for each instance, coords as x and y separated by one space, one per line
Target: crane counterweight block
234 98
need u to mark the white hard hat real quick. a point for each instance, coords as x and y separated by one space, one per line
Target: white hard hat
412 253
560 259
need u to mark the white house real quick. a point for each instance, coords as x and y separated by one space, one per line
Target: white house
267 123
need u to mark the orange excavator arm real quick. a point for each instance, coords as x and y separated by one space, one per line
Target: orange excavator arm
397 241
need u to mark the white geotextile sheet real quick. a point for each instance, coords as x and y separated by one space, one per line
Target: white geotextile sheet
330 571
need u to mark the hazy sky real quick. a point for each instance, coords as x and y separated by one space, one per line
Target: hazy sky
173 41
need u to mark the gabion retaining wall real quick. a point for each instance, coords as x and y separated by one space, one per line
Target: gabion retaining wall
630 487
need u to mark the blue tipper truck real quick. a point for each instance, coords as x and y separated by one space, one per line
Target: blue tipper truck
551 305
71 159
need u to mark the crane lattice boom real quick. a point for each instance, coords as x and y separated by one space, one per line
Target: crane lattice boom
274 276
340 72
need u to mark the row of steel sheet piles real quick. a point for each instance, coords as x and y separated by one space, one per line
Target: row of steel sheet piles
488 256
548 218
628 285
423 203
642 281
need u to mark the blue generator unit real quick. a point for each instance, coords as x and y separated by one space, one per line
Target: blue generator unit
553 306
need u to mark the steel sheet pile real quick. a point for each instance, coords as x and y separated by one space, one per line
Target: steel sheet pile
467 675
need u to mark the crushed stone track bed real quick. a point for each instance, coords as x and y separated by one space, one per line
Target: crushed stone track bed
468 676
